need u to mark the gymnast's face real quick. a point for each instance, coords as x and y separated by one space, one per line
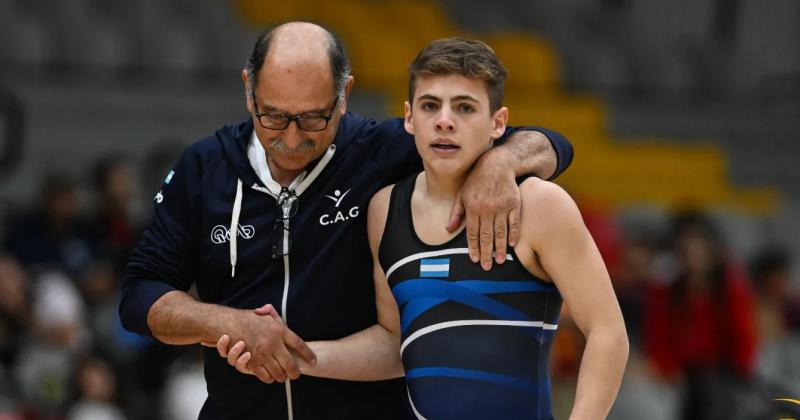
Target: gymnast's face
452 122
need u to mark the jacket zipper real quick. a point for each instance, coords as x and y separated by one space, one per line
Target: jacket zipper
297 191
288 382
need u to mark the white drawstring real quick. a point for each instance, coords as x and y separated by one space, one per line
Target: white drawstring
234 232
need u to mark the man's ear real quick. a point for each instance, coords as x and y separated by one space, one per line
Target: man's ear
347 89
408 123
248 92
499 122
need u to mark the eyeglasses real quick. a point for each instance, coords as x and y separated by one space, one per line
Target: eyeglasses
274 121
281 238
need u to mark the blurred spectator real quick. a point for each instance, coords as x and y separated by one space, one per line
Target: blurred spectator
641 395
604 229
779 355
46 362
114 185
53 234
59 313
142 361
185 391
631 282
701 326
97 387
14 323
771 270
14 309
99 282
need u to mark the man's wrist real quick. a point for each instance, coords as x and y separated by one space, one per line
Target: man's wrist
498 160
530 152
218 322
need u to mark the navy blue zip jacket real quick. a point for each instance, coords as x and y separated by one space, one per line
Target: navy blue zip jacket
323 289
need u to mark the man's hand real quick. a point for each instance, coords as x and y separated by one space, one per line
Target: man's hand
271 346
492 201
240 359
236 354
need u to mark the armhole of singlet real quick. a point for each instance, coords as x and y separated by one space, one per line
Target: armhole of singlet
513 252
396 217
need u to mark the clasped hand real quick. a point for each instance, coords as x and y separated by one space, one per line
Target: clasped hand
264 347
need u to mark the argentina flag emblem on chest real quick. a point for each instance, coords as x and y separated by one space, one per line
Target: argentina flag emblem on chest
434 267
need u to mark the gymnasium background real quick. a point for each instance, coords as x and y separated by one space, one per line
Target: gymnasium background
684 117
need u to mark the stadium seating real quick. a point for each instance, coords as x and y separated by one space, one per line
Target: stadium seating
662 172
582 46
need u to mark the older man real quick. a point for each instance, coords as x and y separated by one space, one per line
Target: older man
271 210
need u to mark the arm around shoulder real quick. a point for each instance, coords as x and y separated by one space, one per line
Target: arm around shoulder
538 151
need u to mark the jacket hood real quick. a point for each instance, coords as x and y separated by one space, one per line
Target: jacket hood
233 140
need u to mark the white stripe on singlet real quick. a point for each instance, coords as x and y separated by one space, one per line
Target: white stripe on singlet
468 322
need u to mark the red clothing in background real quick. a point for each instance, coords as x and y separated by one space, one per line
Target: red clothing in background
701 330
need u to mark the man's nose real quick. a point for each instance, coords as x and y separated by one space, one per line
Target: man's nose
292 136
445 121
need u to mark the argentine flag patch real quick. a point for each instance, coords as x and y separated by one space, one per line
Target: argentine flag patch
439 267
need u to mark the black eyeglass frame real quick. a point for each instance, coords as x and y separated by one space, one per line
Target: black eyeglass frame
288 118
